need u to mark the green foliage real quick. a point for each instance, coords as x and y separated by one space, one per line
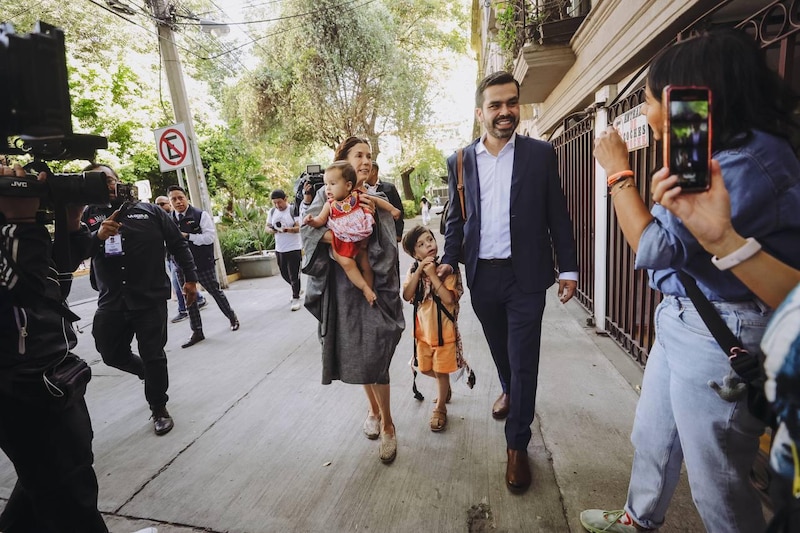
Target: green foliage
410 208
508 26
349 72
242 233
428 162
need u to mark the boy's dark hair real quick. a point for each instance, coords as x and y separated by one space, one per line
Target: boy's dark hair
412 236
276 194
347 170
176 188
745 93
501 77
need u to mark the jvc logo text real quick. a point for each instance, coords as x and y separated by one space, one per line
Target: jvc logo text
19 183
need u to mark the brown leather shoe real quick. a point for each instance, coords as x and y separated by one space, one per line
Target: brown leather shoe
518 473
501 406
196 337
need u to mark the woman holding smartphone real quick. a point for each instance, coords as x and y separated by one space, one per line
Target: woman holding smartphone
681 415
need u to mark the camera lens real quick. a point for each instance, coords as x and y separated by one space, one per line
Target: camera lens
277 224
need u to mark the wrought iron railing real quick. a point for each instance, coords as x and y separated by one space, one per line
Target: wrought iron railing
576 167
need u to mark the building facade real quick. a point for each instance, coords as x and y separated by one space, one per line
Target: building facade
581 66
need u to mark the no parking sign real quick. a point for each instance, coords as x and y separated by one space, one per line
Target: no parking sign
172 146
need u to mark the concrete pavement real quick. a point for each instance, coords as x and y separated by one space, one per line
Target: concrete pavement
260 446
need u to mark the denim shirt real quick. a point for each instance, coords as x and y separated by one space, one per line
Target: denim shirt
763 179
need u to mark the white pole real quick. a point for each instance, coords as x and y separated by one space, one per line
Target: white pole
198 191
601 215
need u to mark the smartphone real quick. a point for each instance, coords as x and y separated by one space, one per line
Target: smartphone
687 136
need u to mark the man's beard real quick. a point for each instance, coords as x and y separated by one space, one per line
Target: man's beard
505 133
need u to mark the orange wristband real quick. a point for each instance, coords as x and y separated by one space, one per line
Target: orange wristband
614 178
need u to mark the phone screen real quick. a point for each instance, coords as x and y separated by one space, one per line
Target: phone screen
687 139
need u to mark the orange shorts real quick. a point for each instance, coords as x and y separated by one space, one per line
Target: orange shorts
440 359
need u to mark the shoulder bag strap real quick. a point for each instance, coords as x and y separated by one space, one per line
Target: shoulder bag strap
460 185
743 362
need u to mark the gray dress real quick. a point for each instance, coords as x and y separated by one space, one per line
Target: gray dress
358 341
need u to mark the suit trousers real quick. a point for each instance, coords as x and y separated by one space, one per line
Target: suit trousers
208 279
512 324
56 489
289 263
113 332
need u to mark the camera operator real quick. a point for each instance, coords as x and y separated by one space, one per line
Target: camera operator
50 445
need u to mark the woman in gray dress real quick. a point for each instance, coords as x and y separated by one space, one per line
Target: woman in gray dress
358 340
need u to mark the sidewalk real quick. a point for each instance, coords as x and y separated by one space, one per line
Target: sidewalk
260 446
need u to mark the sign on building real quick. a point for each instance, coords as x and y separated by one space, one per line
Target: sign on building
632 127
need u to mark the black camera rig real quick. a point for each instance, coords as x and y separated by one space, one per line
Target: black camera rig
313 175
36 120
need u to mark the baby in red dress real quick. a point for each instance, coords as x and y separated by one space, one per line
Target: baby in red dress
350 224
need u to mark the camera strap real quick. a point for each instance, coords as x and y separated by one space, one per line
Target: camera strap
27 287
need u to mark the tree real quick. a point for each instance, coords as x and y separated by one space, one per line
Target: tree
342 69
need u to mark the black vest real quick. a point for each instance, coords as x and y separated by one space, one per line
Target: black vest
190 223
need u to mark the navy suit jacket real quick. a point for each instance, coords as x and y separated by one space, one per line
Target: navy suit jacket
539 220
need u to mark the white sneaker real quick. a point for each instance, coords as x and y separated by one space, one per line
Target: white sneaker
295 304
147 530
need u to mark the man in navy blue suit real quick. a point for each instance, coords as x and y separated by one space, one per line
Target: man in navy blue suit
516 216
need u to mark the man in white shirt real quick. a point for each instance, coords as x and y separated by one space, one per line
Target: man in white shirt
197 227
286 229
516 217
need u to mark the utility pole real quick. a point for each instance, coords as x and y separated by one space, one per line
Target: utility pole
195 177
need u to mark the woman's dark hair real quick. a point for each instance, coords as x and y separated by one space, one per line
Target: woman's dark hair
347 171
412 236
745 93
346 146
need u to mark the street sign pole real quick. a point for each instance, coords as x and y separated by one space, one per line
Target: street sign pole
195 177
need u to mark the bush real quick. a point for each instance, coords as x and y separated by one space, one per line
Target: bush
242 237
410 208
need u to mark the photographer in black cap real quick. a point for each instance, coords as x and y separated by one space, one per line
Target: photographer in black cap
49 442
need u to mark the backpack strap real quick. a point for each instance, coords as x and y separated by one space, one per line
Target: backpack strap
417 299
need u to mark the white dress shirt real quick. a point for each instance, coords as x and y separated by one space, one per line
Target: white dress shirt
494 175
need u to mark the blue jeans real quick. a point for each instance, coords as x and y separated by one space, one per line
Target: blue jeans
176 286
679 417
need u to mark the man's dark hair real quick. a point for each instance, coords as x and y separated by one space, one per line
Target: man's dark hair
276 194
375 165
412 236
92 167
501 77
176 188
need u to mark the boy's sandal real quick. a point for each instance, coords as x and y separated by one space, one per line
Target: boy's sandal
438 420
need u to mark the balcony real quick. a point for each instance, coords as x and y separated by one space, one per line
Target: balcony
542 32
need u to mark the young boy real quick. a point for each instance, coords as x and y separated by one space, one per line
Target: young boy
437 343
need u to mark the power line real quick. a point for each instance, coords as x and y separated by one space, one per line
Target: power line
297 15
284 30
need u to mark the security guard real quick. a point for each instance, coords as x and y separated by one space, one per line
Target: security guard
127 252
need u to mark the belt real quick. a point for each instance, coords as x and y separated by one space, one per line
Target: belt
496 262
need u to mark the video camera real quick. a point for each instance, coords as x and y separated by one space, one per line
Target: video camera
36 120
313 175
